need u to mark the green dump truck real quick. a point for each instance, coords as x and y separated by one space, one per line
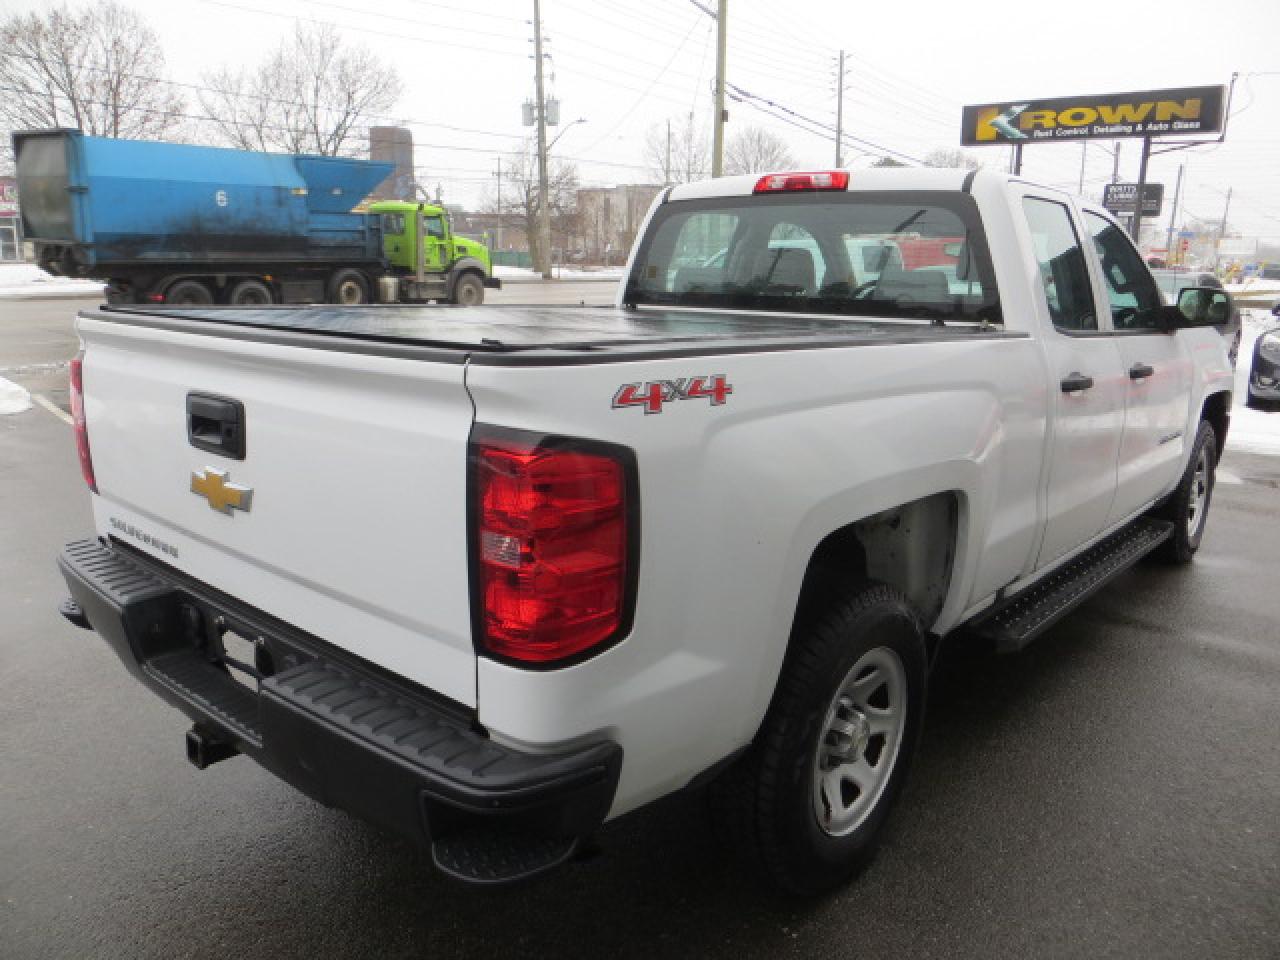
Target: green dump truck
190 225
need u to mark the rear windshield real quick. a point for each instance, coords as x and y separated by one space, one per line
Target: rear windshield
899 255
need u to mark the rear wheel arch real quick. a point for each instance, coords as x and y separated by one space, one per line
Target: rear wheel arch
911 547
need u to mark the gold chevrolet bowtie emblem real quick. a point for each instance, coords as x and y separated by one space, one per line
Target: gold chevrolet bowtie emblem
222 496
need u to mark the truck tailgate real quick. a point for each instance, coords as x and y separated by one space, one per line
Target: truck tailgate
356 527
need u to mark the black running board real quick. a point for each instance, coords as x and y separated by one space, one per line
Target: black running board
1027 614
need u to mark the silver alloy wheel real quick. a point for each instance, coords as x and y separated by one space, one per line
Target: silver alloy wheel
1199 494
860 739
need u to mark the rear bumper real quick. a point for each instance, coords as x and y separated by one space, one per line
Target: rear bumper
337 728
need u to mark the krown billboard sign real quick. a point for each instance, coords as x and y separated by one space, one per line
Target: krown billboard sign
1154 113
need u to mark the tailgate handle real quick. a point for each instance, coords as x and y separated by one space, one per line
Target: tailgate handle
216 424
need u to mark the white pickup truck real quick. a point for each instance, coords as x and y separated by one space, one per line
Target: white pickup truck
492 577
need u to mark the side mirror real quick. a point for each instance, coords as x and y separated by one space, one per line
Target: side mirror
1203 307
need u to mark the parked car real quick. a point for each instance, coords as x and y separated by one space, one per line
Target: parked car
1173 281
1264 371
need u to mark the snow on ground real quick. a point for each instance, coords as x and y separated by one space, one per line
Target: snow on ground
1252 431
20 280
1254 285
13 398
518 274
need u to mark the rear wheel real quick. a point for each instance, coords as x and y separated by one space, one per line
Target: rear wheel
809 800
468 291
348 287
1188 508
189 293
250 293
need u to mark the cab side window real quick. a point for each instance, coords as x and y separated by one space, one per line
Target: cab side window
1131 289
1062 265
435 227
393 223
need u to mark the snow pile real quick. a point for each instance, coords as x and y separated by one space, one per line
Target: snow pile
518 274
1252 431
13 398
1255 287
21 280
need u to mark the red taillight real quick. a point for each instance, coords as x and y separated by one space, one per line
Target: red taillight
552 548
790 182
156 297
78 422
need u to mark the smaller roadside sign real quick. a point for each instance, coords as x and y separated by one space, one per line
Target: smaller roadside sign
1238 246
1121 198
8 197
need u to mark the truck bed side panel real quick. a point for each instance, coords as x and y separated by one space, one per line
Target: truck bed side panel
734 499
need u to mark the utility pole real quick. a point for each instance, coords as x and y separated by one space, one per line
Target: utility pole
1222 230
1173 218
839 107
544 205
666 169
1115 164
498 229
721 16
1140 198
717 142
1084 152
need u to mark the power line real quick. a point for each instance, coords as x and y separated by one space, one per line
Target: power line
748 96
365 138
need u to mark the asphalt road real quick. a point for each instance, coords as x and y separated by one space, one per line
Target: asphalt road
1113 791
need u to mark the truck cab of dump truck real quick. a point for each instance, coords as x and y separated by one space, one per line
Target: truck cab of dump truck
417 238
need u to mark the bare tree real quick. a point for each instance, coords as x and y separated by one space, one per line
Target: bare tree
888 162
98 69
313 95
521 192
951 158
756 150
678 150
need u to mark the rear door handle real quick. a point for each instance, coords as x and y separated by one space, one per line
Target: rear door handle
1076 381
216 424
1140 371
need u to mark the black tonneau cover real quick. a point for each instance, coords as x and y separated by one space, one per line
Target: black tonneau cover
537 334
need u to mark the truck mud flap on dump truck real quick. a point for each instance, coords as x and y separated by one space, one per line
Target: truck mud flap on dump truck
338 729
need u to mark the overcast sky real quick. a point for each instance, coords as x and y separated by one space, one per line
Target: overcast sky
624 66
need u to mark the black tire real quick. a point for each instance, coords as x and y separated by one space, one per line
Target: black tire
767 805
250 293
348 287
1188 507
189 293
468 291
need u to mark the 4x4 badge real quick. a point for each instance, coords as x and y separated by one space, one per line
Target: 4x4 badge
655 393
222 496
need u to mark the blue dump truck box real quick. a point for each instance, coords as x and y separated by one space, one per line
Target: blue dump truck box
95 202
